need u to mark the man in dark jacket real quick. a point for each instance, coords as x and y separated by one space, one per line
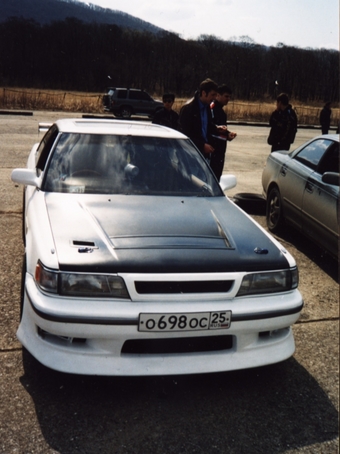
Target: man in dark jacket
325 118
196 121
219 117
283 123
167 116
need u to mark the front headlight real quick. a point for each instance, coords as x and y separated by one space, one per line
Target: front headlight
269 282
78 284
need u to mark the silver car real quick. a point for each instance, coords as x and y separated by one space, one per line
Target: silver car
302 188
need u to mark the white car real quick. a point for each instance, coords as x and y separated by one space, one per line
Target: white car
138 264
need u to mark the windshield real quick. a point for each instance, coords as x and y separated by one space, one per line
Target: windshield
109 164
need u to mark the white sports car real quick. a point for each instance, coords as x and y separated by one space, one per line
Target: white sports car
137 263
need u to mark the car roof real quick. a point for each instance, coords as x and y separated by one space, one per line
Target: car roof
334 137
295 151
117 127
124 88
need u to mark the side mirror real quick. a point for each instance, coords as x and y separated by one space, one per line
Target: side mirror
228 182
26 177
331 178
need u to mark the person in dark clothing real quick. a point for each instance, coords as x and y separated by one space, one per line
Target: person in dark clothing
219 117
167 116
195 118
325 118
283 124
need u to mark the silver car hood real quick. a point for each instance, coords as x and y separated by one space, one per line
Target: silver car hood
124 233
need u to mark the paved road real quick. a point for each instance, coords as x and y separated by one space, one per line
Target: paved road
291 407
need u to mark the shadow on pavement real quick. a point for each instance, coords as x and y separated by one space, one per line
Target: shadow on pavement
324 261
271 409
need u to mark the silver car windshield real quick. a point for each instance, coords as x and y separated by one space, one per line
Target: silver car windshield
111 164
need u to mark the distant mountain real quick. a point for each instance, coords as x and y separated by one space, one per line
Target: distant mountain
46 11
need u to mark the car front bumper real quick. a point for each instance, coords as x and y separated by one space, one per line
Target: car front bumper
81 345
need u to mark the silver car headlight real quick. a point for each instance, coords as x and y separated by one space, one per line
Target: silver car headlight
80 284
269 282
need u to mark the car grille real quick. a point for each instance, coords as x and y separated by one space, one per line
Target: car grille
178 345
172 287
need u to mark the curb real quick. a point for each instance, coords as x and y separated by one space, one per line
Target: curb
16 112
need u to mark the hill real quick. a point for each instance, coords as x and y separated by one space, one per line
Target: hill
47 11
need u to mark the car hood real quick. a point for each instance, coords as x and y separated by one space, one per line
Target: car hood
123 233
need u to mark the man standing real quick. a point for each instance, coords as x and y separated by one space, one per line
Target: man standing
196 121
167 116
219 117
283 123
325 117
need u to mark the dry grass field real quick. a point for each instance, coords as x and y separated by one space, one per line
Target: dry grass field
57 100
53 100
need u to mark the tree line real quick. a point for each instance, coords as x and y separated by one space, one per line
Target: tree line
73 55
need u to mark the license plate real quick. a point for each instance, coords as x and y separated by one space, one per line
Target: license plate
184 322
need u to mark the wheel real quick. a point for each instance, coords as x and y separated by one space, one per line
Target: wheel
126 112
274 212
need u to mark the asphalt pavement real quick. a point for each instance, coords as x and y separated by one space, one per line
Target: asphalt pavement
290 407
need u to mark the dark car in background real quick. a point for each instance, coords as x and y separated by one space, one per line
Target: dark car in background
124 102
302 188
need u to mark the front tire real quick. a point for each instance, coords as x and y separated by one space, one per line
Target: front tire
274 211
126 112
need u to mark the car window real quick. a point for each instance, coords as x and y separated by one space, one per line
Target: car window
108 164
45 147
134 94
121 94
330 160
145 96
312 154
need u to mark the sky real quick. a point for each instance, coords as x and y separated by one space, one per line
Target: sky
301 23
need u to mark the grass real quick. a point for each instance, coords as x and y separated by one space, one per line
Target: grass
260 111
57 100
53 100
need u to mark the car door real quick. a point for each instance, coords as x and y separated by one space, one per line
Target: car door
294 177
320 202
142 102
147 103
